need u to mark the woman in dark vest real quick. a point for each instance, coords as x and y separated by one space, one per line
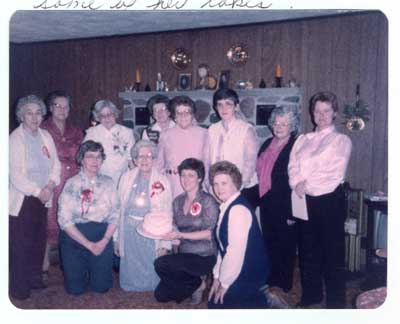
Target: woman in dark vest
242 264
277 222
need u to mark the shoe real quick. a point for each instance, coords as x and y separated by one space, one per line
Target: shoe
274 300
20 296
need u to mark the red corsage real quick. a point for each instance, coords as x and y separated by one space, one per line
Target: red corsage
156 188
87 199
195 209
45 151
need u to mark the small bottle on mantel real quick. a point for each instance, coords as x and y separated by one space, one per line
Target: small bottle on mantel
278 76
262 84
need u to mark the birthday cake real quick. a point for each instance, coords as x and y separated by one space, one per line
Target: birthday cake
157 223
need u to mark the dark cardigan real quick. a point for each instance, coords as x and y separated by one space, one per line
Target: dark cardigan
280 192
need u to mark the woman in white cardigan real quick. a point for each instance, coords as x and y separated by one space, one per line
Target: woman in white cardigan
34 172
141 190
116 139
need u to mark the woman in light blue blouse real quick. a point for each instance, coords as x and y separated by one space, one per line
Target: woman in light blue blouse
142 190
88 216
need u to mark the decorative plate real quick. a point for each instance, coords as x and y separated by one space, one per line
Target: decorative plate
180 58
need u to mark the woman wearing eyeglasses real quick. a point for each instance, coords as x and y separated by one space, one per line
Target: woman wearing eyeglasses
159 110
142 190
116 139
278 226
185 140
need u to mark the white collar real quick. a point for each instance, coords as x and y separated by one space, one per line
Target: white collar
226 204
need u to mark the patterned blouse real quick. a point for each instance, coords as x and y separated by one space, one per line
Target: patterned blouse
86 200
202 215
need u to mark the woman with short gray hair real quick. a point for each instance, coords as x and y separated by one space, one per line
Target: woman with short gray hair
277 223
142 191
34 172
116 139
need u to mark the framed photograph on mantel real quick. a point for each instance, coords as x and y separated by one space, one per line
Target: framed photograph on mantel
184 81
223 79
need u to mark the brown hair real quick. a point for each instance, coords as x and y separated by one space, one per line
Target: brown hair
228 168
324 96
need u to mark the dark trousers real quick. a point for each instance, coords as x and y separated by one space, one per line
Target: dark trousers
322 249
180 275
27 245
281 243
81 267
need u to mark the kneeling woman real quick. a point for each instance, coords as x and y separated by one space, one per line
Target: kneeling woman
195 216
242 265
88 216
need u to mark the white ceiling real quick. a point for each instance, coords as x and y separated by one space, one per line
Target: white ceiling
50 25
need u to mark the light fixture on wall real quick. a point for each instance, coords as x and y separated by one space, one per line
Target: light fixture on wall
237 55
180 58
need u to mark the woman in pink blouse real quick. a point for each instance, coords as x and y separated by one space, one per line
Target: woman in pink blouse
67 139
184 140
317 169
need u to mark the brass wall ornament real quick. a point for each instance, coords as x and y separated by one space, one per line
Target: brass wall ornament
237 55
355 116
180 58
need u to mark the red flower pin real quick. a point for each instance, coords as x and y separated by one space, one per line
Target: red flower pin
45 151
156 188
87 199
195 209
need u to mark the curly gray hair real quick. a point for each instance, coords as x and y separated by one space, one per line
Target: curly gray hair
144 143
104 103
291 111
31 99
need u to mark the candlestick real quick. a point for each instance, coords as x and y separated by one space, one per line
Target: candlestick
137 78
278 82
278 72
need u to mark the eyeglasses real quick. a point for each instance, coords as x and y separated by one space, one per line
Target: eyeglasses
145 157
183 113
159 110
93 157
104 116
280 124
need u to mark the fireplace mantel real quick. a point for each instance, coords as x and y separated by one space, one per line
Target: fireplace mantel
255 104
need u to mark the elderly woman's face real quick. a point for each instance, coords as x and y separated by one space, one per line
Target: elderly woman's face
190 181
226 109
183 116
144 160
160 113
31 117
91 163
281 127
224 187
60 109
107 118
323 115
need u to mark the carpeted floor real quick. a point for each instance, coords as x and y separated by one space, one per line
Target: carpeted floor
54 297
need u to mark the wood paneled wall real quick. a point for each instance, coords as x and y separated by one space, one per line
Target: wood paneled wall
334 53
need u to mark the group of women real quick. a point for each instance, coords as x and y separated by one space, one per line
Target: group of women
210 182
